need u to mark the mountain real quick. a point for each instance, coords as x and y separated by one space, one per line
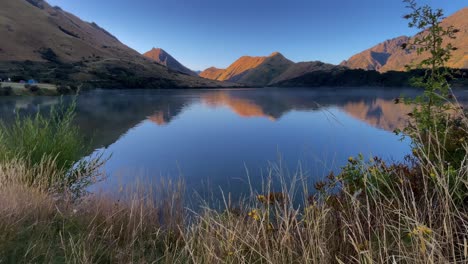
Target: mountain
164 58
251 70
376 57
48 44
212 73
388 55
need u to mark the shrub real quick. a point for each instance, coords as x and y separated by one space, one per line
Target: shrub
62 89
6 91
32 88
433 119
74 88
49 55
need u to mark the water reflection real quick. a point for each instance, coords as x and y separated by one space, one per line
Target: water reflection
380 113
241 106
118 111
210 137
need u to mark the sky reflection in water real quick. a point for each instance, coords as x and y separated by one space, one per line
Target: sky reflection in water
214 138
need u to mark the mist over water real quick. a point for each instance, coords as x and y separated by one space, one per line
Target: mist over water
232 140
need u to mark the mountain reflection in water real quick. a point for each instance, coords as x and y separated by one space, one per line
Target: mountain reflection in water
211 137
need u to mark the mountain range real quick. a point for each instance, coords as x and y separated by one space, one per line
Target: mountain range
46 43
389 56
59 47
379 62
264 71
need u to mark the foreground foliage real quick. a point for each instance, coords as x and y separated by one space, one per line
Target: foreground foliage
47 151
390 213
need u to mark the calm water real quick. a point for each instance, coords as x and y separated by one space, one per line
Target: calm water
213 139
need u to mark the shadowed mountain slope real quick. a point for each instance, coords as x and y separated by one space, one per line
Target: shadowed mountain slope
302 68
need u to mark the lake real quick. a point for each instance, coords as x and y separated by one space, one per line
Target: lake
232 140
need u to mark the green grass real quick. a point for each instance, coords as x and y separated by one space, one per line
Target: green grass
52 134
48 142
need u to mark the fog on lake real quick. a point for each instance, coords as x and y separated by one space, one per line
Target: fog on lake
231 140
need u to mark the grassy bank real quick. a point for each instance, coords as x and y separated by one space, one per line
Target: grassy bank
411 212
21 89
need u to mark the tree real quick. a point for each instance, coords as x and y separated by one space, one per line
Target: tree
432 119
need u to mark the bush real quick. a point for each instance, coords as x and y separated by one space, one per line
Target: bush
62 89
73 87
32 88
6 91
49 55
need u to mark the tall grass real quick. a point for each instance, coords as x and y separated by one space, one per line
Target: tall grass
138 226
47 151
50 134
399 214
396 214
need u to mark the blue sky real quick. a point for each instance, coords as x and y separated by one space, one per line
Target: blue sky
204 33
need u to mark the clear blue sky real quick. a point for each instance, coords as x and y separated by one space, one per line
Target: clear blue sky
204 33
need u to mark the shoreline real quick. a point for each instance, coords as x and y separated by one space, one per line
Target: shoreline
25 89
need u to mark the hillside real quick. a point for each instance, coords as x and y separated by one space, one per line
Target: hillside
388 56
376 57
46 43
162 57
251 70
273 66
302 68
